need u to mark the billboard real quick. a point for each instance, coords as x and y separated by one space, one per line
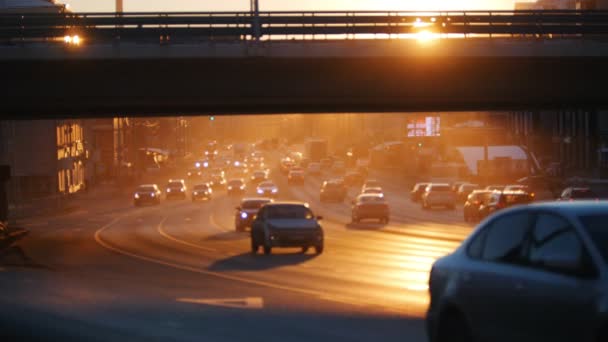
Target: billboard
427 126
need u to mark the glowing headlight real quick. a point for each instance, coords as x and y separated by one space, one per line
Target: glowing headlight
195 193
244 215
153 195
229 188
182 189
205 164
242 187
274 191
136 195
260 191
197 164
168 190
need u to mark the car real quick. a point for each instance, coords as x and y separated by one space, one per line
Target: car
314 168
267 189
495 187
456 186
176 188
516 187
259 176
194 173
438 194
465 190
370 206
285 165
326 163
304 162
528 273
498 200
417 191
471 205
295 177
217 180
373 191
235 186
577 193
286 224
353 178
146 193
247 210
201 192
333 190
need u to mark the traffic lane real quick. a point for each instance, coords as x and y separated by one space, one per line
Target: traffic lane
396 268
234 262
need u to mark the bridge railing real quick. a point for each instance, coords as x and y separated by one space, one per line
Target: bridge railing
191 26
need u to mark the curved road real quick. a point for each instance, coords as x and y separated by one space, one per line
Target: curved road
179 271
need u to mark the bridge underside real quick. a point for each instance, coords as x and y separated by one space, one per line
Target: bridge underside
95 88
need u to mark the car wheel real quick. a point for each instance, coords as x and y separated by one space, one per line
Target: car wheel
267 250
254 246
304 249
319 249
454 328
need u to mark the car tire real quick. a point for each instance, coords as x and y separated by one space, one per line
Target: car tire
454 328
319 249
267 250
254 246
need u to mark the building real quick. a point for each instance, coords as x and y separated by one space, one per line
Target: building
557 5
32 6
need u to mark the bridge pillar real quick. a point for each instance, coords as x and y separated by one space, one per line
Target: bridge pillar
255 13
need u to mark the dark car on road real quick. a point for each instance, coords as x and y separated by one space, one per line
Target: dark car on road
577 194
146 193
247 211
333 191
286 224
472 204
194 173
259 176
499 200
201 192
417 191
295 177
267 189
370 206
176 188
235 186
354 178
465 189
217 180
529 273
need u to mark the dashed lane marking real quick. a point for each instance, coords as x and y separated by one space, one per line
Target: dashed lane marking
238 303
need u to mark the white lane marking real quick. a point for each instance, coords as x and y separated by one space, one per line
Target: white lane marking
239 303
180 241
217 224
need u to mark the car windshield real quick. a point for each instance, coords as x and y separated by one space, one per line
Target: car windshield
200 187
175 185
289 212
253 204
235 182
371 199
146 189
267 185
597 227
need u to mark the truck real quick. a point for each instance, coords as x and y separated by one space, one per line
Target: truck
315 149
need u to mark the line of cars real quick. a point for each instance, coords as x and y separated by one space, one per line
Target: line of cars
175 189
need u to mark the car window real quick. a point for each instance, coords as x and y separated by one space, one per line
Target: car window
553 238
505 237
475 248
289 212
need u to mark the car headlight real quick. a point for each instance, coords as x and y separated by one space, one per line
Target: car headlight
260 191
182 190
274 191
195 193
152 195
229 188
242 187
243 215
136 195
197 164
168 190
189 174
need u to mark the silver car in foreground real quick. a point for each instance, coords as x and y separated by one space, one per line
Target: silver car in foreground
530 273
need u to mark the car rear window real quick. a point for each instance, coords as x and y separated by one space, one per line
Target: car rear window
441 188
289 212
597 228
235 182
175 185
200 187
146 189
266 184
253 204
371 199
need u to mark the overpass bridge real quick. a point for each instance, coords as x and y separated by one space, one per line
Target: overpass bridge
281 62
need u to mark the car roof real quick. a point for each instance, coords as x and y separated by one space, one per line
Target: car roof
255 199
438 184
370 195
265 183
147 185
274 204
176 180
586 207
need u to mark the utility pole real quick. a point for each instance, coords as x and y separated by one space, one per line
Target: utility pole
119 6
254 7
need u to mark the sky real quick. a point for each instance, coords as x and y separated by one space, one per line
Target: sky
287 5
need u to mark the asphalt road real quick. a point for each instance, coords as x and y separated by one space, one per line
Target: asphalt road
179 271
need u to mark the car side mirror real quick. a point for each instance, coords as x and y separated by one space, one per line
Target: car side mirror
319 218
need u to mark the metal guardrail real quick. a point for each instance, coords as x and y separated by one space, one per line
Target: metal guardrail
189 26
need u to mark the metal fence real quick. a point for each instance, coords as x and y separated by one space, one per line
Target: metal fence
189 26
